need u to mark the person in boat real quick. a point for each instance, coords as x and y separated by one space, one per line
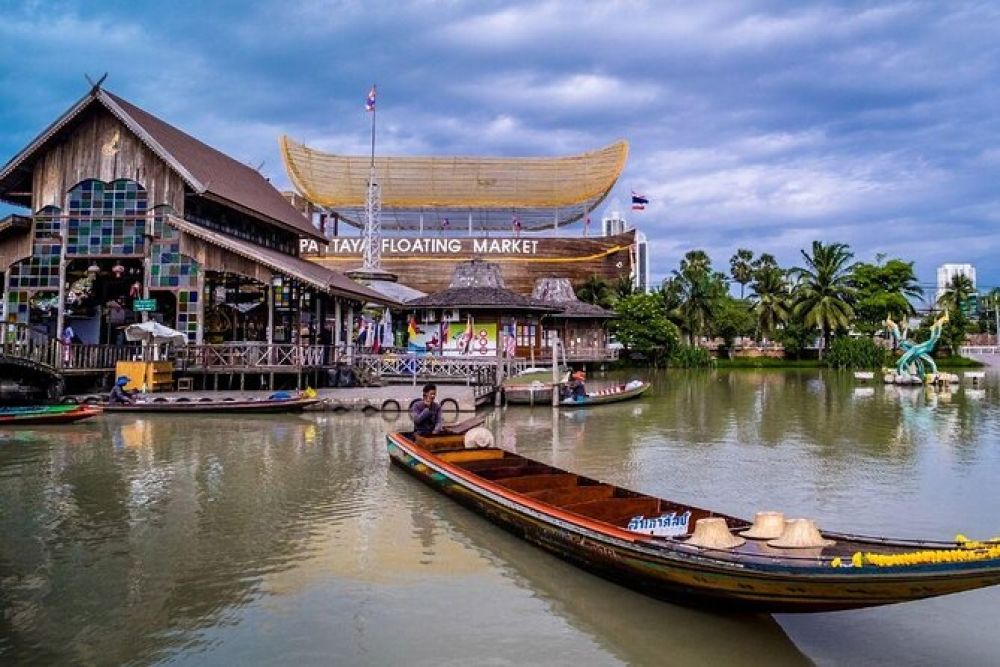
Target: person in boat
577 386
426 413
119 395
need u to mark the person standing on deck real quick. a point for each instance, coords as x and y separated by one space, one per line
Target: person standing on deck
426 414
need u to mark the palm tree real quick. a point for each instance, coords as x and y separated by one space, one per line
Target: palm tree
624 287
823 293
595 290
741 267
698 288
770 299
957 293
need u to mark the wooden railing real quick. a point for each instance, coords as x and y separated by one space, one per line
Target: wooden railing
20 342
473 371
254 356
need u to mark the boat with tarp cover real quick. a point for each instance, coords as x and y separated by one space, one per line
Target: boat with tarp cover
46 414
606 529
612 394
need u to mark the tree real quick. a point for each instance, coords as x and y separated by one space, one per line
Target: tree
770 300
883 290
698 288
741 268
643 326
823 293
624 287
595 290
957 293
731 318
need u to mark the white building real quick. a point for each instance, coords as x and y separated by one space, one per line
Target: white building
945 274
613 223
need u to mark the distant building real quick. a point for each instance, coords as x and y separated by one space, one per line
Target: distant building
614 223
947 272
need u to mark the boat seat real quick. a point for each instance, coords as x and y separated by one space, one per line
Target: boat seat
518 470
572 495
538 482
470 455
616 511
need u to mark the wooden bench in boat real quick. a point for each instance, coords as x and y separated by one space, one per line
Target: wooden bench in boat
521 469
615 511
465 456
572 495
538 482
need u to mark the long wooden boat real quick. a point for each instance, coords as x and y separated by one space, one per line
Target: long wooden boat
46 414
614 394
217 406
587 523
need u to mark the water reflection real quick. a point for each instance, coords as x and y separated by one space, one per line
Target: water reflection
284 539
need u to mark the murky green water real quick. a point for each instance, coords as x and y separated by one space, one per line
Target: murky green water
270 540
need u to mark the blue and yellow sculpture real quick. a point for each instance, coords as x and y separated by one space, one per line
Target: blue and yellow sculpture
916 355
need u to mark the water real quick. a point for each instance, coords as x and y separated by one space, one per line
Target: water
289 539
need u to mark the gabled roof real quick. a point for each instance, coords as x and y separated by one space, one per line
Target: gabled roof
210 173
308 272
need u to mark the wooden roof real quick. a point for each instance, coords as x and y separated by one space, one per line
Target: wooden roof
540 192
207 171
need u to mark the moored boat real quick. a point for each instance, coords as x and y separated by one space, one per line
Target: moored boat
46 414
613 394
607 530
217 406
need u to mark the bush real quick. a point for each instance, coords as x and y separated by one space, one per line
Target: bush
852 352
689 356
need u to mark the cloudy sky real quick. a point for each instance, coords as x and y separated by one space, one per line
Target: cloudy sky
760 124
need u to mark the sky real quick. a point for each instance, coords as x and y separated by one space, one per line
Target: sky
757 124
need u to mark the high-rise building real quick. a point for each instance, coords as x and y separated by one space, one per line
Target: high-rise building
947 272
615 223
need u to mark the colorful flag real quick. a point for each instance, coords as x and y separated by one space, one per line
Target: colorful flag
467 336
370 102
411 327
517 226
638 201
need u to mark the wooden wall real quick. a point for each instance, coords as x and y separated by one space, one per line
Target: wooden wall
102 147
576 258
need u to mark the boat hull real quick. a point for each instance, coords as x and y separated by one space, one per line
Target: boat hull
671 574
602 399
240 407
41 418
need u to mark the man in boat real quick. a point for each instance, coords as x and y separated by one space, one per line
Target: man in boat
118 395
577 386
426 414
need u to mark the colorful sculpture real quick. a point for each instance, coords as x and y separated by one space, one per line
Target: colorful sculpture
916 354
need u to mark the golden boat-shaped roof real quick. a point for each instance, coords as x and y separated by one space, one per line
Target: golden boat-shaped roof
486 192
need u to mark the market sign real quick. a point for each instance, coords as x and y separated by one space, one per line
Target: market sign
144 305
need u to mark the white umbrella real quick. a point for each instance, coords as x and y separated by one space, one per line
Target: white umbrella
387 339
154 332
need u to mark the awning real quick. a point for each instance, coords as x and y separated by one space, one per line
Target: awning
310 273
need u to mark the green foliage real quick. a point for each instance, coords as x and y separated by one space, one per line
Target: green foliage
690 356
697 289
623 287
954 332
595 290
957 294
795 337
824 294
731 318
770 300
856 352
883 290
642 326
741 267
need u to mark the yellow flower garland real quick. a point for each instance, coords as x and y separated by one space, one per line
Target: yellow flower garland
968 551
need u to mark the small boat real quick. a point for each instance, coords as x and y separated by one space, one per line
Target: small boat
613 394
217 406
46 414
620 534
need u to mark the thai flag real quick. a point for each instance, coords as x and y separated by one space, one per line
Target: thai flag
638 201
370 102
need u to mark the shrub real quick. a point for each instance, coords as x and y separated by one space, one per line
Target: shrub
852 352
689 356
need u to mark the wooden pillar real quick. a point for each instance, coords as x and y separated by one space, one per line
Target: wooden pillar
499 376
350 329
337 324
61 306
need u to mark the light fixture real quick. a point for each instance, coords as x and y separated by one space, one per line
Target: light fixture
118 270
94 268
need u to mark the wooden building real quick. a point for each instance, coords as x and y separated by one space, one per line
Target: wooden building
130 215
